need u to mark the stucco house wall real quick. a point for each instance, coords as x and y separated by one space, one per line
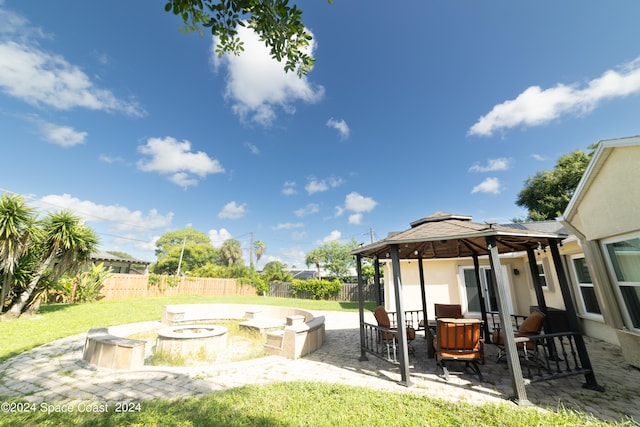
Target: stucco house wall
605 210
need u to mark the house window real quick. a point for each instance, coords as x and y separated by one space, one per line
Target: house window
585 286
624 258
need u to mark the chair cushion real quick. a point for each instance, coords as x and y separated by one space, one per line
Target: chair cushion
532 324
382 317
459 336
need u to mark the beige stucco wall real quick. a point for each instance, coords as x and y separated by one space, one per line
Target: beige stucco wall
611 204
443 283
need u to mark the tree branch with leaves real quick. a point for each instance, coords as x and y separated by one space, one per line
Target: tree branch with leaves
277 24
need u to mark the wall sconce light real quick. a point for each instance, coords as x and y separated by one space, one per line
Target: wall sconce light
516 271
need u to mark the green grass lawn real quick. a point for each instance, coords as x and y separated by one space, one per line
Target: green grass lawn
278 404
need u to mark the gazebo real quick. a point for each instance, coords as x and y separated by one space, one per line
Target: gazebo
446 235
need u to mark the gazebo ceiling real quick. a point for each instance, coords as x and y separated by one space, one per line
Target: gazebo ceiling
446 235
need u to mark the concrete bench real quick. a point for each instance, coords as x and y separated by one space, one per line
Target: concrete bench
104 350
302 334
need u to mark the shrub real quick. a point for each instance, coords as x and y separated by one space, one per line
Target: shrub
83 287
316 288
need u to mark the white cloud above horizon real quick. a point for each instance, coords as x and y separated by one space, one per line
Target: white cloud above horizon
233 211
257 85
41 79
341 126
289 188
64 136
333 236
287 226
536 106
315 185
500 164
309 209
489 185
121 217
218 237
358 203
168 156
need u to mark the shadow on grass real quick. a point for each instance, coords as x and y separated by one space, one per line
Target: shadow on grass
353 305
52 308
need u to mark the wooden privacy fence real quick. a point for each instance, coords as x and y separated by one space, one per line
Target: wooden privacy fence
134 285
349 292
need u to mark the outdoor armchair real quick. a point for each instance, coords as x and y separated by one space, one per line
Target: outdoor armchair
388 336
458 340
531 326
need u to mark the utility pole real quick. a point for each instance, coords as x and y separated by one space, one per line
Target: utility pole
251 251
184 241
371 234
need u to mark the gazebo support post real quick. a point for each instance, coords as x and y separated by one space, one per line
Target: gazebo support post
483 306
363 353
513 362
424 297
400 316
533 267
376 281
572 316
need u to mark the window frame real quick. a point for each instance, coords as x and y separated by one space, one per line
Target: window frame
614 279
582 306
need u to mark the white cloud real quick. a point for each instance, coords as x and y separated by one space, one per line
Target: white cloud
182 179
252 148
355 218
501 164
341 126
335 235
121 217
218 237
358 203
233 211
299 235
318 186
489 185
536 106
64 136
538 157
311 208
289 188
169 156
288 226
110 159
41 78
258 86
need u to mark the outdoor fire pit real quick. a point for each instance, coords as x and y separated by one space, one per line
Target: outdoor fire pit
189 340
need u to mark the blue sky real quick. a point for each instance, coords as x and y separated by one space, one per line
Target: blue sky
108 110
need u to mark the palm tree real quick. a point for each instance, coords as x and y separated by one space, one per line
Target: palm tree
231 251
316 257
260 248
17 227
68 243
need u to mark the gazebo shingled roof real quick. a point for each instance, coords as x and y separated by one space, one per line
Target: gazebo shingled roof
447 235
